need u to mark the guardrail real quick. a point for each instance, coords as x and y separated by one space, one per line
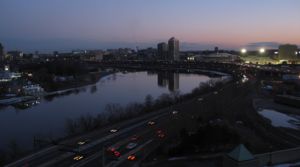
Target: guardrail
279 157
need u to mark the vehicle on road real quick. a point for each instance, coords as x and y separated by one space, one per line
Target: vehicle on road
131 145
174 112
160 134
200 99
113 130
111 149
131 157
151 123
78 157
134 137
215 92
82 142
117 153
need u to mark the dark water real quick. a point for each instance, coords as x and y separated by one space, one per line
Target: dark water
48 117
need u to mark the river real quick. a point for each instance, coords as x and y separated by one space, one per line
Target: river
48 117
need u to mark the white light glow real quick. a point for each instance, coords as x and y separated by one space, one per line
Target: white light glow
243 51
262 50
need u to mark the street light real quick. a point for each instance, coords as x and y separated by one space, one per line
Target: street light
243 51
262 50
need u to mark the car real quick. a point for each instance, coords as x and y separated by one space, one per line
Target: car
113 130
131 157
131 145
111 149
117 153
78 157
200 99
215 92
159 131
151 123
160 134
82 142
134 137
174 112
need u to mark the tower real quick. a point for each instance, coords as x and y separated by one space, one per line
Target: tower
173 44
162 51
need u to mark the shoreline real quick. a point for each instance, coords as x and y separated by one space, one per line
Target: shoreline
72 88
21 99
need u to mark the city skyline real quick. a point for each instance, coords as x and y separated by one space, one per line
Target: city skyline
57 25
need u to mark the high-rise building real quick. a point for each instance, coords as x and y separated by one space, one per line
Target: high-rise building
216 50
1 52
162 51
288 52
173 49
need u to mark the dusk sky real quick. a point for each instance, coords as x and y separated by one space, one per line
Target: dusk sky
47 25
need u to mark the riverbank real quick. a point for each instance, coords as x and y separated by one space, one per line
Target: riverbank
79 85
80 81
60 90
16 100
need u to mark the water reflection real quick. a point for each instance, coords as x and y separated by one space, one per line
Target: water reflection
50 97
27 104
169 79
93 89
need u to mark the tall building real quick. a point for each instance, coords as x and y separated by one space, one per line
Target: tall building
216 50
288 52
1 52
162 51
174 49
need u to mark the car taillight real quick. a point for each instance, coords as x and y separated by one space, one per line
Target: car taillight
117 153
131 157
